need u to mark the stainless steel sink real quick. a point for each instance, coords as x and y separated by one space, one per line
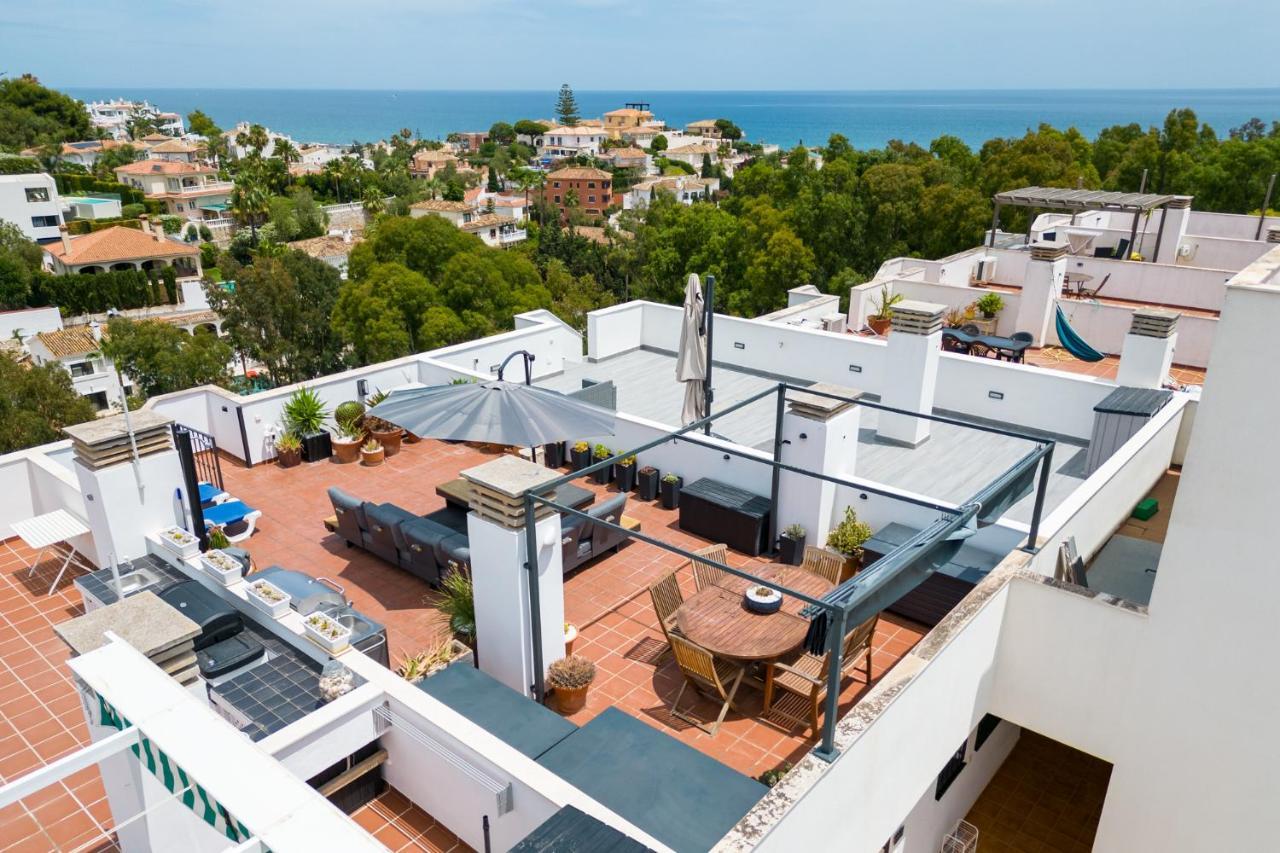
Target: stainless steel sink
136 581
360 627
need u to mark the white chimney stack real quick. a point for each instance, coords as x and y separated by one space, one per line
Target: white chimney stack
1147 355
95 329
911 371
66 239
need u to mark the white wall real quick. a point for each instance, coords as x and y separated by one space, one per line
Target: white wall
28 321
1101 504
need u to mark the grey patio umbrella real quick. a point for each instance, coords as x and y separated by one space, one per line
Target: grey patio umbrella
493 411
691 358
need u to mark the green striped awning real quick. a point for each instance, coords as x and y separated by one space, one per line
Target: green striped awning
176 780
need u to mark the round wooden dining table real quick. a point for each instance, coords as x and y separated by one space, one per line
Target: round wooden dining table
717 618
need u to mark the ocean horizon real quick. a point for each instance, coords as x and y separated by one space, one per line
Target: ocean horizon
868 118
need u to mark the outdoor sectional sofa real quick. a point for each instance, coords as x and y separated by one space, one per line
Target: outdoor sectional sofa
427 546
582 539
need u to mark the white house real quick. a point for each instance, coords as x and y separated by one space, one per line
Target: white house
32 203
559 142
78 350
457 212
189 190
114 117
686 189
693 153
497 229
333 249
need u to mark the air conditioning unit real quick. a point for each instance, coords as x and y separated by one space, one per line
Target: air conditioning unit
986 269
833 322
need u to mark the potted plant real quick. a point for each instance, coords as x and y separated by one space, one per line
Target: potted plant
671 484
349 413
571 677
580 455
762 599
180 542
570 637
459 604
304 415
289 450
428 662
791 544
605 474
222 567
625 472
553 454
268 598
372 453
647 483
882 317
330 635
217 538
990 304
387 433
847 538
347 438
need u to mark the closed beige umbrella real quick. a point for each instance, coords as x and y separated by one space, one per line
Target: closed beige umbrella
691 358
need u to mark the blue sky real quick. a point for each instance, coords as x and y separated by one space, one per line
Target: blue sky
659 44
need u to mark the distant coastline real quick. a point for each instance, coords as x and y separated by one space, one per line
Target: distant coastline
868 119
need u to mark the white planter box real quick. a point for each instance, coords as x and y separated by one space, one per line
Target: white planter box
179 542
275 606
223 567
326 633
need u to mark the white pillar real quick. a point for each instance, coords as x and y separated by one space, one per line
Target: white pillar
124 506
1148 348
499 578
819 434
1176 216
1041 285
911 371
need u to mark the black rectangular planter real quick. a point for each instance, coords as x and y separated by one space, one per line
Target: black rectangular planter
647 484
671 493
317 446
580 458
791 550
553 454
626 477
603 476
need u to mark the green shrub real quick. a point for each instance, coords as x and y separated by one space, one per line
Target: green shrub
19 166
847 536
93 294
132 211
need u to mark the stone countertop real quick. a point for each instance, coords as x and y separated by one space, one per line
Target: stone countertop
143 620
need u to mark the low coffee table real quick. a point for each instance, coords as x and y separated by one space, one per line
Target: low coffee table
457 495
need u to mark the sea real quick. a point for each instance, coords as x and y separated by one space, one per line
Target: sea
868 119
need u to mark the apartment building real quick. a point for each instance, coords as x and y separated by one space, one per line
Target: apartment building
582 188
31 202
191 190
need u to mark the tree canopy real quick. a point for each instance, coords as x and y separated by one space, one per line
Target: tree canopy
36 403
567 107
32 115
161 357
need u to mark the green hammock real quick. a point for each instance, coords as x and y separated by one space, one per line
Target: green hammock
1072 342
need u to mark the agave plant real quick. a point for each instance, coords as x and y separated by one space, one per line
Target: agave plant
305 412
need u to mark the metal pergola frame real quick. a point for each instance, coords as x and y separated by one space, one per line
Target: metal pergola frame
876 587
1077 200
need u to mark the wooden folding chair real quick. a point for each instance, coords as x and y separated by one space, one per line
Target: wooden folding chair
823 563
707 674
666 601
804 678
704 575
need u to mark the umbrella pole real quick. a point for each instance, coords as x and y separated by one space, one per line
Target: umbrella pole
710 308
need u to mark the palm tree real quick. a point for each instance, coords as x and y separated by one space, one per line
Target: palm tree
249 201
286 151
373 201
255 138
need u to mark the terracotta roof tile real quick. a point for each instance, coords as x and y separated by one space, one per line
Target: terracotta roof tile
439 205
76 340
118 243
165 167
572 173
327 246
488 220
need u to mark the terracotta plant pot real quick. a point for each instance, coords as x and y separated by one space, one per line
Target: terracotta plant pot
372 458
852 565
571 700
389 440
346 451
289 458
880 326
410 438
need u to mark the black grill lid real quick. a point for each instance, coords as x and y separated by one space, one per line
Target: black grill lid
228 655
217 619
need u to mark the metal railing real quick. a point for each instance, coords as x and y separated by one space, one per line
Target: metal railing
204 451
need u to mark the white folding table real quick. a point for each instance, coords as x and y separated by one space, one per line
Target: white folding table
46 532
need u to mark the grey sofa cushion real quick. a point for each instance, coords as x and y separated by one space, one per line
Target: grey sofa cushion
609 510
344 503
453 552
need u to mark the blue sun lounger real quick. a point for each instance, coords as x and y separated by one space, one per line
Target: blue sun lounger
233 515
